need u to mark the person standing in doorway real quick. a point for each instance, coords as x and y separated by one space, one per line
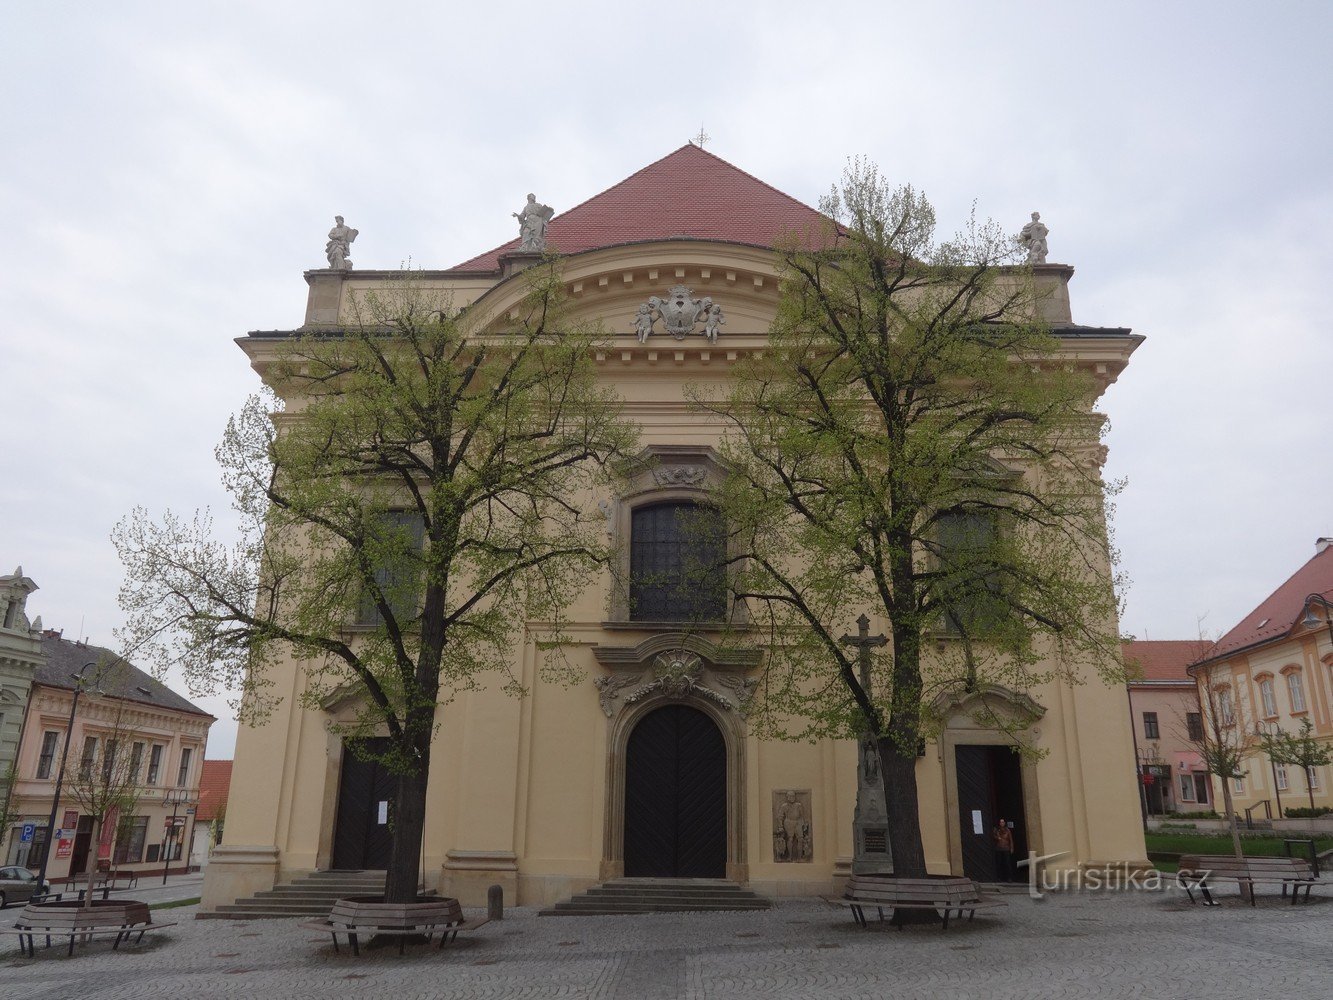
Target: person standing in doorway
1003 839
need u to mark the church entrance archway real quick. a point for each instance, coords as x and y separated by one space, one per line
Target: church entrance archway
361 834
675 796
990 788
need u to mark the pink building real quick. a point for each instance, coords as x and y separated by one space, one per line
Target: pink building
163 733
1164 710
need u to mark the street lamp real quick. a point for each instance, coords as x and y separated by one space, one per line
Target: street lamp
175 797
1311 620
60 774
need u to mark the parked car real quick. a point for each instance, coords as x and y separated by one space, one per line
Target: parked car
18 885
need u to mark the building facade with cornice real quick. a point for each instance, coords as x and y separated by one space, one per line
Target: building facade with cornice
1271 671
163 734
20 655
544 794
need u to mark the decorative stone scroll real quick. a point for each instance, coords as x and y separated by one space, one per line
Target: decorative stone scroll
680 312
792 840
679 475
677 673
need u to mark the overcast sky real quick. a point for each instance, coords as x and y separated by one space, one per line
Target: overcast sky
168 170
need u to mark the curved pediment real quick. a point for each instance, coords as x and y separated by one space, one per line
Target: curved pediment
988 706
609 286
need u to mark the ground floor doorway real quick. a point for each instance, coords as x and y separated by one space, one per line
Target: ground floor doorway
990 788
83 839
362 835
675 796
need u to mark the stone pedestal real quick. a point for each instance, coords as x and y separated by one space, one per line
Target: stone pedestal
870 824
468 875
235 872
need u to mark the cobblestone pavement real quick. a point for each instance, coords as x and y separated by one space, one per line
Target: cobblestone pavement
1123 944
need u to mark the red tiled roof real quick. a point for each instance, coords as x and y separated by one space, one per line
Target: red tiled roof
1161 660
1275 617
688 194
214 784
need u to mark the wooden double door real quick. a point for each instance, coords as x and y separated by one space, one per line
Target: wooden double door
676 796
362 834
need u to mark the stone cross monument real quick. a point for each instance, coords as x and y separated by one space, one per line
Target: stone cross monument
870 822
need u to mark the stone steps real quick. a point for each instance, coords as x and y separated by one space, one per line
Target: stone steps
312 895
626 896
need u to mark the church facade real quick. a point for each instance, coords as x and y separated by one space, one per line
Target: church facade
648 766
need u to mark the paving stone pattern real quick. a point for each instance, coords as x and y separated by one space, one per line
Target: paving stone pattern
1139 944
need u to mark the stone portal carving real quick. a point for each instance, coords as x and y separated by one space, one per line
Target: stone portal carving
680 312
533 218
677 673
1032 238
679 475
340 245
792 825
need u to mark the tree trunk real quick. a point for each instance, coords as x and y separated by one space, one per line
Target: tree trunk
904 820
90 868
1309 788
409 820
1246 890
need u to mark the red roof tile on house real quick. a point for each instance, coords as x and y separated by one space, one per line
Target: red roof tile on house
1275 617
214 784
688 194
1161 660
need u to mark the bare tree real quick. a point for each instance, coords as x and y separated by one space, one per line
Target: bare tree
1224 742
105 785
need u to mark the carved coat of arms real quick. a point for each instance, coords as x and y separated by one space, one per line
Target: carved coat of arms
679 312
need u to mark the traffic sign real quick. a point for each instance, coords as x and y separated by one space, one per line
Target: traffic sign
29 831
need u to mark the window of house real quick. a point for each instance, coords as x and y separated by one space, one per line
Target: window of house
1280 776
677 563
972 591
46 759
108 760
183 775
1201 789
89 755
136 762
1266 693
1187 788
398 538
154 763
1312 773
130 843
1225 707
1194 726
1150 730
1296 688
1238 785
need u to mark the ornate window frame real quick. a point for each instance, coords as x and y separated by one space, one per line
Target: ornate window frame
661 473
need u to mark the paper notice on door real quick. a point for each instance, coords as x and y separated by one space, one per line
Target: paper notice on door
384 814
977 826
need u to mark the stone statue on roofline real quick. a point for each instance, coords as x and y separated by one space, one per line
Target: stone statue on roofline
533 219
339 245
1032 238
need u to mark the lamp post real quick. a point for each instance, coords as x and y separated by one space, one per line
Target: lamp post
1311 620
177 797
60 774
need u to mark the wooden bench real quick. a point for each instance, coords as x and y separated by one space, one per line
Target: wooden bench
1196 871
121 918
353 917
944 895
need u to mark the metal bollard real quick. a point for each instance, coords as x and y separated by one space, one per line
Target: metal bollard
495 903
